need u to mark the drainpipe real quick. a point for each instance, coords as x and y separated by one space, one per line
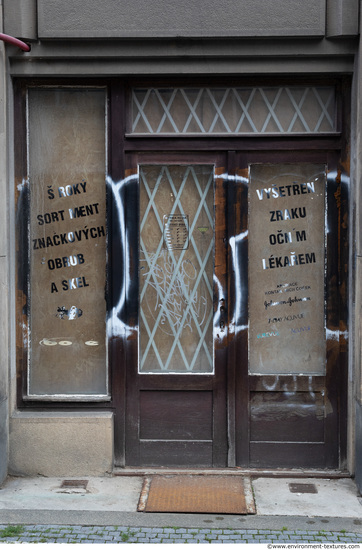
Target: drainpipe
15 42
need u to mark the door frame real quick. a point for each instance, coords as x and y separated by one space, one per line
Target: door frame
335 149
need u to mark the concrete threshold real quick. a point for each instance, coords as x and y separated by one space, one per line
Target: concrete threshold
247 472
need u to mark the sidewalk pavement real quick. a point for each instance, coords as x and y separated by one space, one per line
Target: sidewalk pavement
40 510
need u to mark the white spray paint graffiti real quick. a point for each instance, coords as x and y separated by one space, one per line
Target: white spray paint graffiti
234 241
221 296
115 325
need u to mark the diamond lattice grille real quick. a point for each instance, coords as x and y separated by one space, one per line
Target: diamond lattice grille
269 110
176 268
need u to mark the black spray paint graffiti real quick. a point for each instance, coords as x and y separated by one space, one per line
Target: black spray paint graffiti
116 324
72 313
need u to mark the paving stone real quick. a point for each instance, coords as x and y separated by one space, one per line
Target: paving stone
116 535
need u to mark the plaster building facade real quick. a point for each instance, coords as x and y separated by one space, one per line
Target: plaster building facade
181 236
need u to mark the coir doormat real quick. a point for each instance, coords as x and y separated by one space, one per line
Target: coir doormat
204 494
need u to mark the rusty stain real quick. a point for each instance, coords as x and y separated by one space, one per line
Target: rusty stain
74 483
337 194
249 498
199 494
142 502
303 488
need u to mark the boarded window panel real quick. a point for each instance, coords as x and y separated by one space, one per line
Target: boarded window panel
67 242
286 269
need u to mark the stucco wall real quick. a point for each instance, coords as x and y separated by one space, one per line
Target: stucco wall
180 18
66 18
69 444
356 260
359 447
3 269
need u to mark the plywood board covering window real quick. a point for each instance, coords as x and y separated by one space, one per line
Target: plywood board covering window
67 241
286 269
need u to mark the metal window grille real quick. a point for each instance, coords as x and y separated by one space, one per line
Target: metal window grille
259 110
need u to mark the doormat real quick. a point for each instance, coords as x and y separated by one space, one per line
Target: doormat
203 494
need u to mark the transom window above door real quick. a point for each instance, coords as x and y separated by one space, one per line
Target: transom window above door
249 110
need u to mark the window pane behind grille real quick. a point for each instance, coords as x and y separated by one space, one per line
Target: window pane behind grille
269 110
176 268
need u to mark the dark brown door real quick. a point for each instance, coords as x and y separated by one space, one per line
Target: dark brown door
288 291
233 351
176 354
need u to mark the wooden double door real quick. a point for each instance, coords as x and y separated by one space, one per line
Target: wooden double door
230 295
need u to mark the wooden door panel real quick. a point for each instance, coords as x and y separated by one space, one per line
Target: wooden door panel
189 415
176 383
287 455
276 416
177 454
293 419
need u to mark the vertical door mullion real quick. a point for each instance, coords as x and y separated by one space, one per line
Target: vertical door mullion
116 168
240 257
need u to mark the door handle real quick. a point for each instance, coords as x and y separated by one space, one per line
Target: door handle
222 315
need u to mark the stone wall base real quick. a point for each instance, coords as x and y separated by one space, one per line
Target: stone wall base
61 444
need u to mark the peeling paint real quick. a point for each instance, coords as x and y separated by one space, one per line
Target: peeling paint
336 334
